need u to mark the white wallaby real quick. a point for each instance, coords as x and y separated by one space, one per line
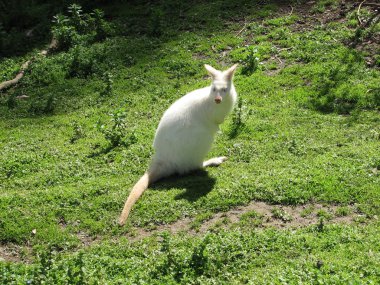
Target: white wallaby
186 132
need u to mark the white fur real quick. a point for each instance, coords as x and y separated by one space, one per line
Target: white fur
186 132
187 129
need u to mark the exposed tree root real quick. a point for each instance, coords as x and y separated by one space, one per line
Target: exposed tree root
6 84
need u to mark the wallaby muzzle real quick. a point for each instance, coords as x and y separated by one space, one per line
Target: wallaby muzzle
218 99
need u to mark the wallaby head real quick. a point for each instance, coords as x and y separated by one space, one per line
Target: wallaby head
221 82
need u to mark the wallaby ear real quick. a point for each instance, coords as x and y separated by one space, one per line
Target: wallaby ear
212 71
229 73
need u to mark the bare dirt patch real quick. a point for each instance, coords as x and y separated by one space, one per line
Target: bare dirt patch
276 216
14 253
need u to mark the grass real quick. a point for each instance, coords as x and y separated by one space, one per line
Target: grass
305 131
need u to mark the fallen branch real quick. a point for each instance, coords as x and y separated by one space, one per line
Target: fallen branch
358 12
279 60
25 65
291 12
245 25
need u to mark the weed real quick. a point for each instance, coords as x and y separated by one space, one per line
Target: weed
237 119
50 104
199 258
324 214
11 101
342 211
251 62
281 214
65 34
117 133
43 104
79 28
307 211
251 219
108 82
199 219
78 132
321 224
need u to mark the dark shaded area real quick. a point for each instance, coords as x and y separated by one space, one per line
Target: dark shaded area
25 25
196 184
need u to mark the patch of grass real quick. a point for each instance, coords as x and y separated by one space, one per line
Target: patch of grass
281 21
324 214
251 219
281 214
307 211
321 5
264 257
199 219
343 211
307 133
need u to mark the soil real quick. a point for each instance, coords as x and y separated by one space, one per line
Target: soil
14 253
293 217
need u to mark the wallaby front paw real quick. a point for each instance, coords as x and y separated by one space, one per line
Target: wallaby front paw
216 161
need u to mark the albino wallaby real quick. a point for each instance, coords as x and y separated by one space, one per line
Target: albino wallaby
186 132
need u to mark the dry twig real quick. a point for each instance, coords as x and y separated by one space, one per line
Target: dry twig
358 12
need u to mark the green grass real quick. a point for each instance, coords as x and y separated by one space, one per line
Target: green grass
306 131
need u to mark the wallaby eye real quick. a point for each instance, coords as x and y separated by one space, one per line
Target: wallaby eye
224 89
213 89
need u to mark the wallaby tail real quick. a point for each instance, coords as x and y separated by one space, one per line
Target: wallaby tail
135 194
153 174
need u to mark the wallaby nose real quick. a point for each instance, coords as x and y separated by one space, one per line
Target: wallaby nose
218 99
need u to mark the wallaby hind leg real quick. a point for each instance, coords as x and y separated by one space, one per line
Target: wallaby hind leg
216 161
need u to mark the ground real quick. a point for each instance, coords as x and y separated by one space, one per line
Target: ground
297 201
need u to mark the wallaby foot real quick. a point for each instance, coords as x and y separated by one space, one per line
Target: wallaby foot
216 161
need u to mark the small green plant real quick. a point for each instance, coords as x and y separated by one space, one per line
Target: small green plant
199 258
76 17
252 219
251 62
43 104
307 211
50 104
321 5
101 26
281 214
82 64
63 32
197 223
343 211
78 132
11 101
108 82
324 214
321 224
237 119
117 133
79 27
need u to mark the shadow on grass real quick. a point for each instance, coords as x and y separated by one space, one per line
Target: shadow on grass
101 151
196 184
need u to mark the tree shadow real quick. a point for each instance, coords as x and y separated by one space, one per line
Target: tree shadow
196 184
